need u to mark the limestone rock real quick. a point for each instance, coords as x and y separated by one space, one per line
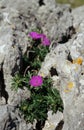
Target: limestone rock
21 95
78 20
68 60
65 28
56 21
53 120
10 119
15 23
19 5
3 117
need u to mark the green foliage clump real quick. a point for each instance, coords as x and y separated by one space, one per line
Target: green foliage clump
37 53
17 82
44 97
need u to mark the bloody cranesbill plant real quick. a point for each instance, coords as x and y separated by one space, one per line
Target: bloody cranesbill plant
43 37
45 40
35 35
43 97
36 81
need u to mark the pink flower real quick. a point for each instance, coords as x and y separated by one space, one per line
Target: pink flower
36 81
35 35
45 40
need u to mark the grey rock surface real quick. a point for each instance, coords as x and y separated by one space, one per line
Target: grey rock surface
3 117
11 120
53 120
65 28
15 23
56 21
19 5
68 60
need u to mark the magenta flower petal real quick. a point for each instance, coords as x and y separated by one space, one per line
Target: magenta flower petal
36 81
35 35
45 40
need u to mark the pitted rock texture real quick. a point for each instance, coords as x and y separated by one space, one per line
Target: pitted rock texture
68 60
15 23
65 28
57 24
10 119
53 121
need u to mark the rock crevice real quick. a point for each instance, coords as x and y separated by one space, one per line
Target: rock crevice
65 62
